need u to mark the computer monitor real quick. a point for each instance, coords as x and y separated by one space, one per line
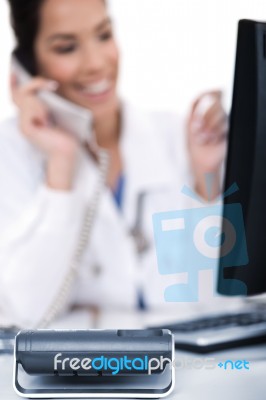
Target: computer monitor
246 163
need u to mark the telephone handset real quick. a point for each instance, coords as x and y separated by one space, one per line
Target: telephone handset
68 116
77 121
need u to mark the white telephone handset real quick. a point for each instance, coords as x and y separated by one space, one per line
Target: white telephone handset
77 121
70 117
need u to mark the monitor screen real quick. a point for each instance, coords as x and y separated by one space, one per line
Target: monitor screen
246 167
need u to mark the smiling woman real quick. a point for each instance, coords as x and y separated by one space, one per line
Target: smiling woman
75 47
72 43
68 47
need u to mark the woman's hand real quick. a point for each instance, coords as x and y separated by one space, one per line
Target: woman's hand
207 132
59 147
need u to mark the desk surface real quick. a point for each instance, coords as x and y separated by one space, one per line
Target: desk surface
192 383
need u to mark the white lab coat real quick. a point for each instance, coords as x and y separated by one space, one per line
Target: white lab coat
40 227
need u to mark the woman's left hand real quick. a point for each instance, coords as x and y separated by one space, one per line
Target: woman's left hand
207 128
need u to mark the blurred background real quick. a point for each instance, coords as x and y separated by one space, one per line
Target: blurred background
172 50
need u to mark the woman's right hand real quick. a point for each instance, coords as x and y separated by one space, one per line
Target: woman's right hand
60 148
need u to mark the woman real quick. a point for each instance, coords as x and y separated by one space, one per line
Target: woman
48 177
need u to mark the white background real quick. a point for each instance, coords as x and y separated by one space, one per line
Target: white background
172 50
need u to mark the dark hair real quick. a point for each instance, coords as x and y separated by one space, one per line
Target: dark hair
25 18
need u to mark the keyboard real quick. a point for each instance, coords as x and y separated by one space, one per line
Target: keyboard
219 332
7 340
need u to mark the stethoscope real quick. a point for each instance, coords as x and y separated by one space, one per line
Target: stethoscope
143 244
137 231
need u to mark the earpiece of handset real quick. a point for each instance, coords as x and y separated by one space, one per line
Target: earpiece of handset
22 76
68 116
